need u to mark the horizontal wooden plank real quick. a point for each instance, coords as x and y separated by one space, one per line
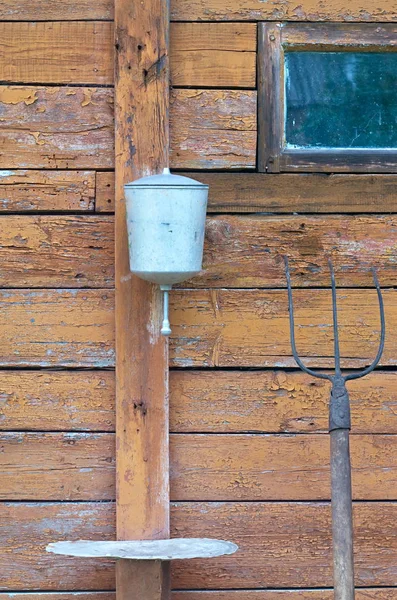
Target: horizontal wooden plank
51 401
283 545
210 128
56 52
47 328
233 467
262 402
286 193
242 251
275 401
272 467
230 328
57 466
56 251
59 10
26 529
77 251
47 191
322 594
213 129
213 54
81 52
104 196
291 193
56 128
309 10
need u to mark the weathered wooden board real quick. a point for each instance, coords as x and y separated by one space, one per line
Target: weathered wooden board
213 54
309 10
47 191
291 193
230 328
210 128
69 328
59 10
104 195
275 402
256 467
56 52
242 251
57 466
284 545
45 400
323 594
25 531
56 128
56 251
213 129
81 52
231 467
262 402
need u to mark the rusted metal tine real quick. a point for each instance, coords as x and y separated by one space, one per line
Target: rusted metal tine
350 376
339 427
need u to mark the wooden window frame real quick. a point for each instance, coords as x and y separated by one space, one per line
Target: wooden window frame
273 38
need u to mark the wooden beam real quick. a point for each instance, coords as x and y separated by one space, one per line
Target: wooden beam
142 146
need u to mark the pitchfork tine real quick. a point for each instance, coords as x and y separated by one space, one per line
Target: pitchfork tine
292 329
382 333
335 320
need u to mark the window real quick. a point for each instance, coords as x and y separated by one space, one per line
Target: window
327 98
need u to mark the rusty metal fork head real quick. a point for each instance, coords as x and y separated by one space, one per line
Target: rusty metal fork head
339 405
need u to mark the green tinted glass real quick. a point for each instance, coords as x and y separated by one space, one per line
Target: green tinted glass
341 99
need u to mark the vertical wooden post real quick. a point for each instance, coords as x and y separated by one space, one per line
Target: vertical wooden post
142 145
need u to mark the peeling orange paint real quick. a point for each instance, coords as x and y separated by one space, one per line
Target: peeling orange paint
15 95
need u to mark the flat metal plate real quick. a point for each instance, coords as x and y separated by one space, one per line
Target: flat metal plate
178 548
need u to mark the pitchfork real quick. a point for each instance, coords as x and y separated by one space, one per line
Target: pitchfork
339 427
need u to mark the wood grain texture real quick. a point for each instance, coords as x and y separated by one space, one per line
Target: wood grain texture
286 193
82 52
242 251
270 467
309 10
322 594
69 328
213 54
213 129
59 10
25 531
231 328
62 251
57 466
104 196
275 402
47 191
56 52
56 128
262 402
63 401
232 467
282 545
361 594
142 148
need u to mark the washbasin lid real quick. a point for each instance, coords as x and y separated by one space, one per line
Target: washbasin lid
165 179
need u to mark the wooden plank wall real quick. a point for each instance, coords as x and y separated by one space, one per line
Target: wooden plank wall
249 451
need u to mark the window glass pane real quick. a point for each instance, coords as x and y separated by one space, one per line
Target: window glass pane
341 99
